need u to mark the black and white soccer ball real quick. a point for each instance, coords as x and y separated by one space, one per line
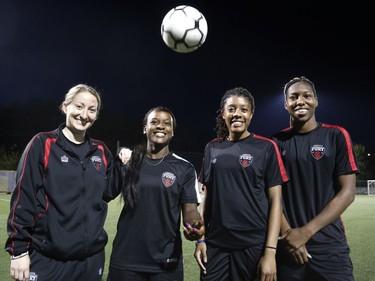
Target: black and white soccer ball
184 29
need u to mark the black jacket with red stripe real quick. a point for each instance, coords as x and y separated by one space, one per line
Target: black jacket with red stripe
57 207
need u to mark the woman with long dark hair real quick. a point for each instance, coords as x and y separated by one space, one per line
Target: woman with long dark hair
158 185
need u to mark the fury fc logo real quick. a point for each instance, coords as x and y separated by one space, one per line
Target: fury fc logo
317 151
96 161
246 160
168 179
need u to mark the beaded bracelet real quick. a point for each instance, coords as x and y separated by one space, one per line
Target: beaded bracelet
200 241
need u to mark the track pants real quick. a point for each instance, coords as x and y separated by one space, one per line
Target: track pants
46 269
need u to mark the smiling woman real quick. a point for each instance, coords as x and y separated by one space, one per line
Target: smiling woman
81 107
242 173
321 162
158 187
62 170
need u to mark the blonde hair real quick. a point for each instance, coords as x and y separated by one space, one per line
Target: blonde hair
74 91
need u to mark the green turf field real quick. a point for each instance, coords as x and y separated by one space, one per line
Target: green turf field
359 221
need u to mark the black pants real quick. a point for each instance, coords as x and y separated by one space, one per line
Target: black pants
46 269
323 266
172 274
232 265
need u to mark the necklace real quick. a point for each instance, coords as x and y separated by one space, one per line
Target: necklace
154 164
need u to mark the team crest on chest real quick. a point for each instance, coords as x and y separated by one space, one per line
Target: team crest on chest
317 151
97 162
246 160
168 179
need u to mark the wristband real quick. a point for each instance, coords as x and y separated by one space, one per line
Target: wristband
270 247
19 256
200 241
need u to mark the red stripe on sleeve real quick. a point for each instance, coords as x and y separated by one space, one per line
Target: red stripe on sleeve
279 159
349 147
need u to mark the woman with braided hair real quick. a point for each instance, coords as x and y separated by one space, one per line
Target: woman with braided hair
242 174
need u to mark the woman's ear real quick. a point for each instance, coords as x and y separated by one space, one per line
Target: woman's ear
63 107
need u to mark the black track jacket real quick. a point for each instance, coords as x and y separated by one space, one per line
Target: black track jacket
57 207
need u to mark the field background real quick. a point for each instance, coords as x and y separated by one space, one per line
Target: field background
359 221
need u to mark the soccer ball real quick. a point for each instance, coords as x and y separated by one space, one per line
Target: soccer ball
184 29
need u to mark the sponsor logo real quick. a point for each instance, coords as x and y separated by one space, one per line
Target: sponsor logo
318 151
64 159
168 179
97 162
246 160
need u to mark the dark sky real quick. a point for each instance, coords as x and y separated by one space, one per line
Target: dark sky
46 47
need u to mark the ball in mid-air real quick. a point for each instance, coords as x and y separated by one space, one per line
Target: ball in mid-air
184 29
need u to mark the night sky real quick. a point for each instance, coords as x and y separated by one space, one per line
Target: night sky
46 47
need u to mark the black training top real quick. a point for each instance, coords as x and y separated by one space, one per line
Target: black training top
149 238
313 161
237 175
